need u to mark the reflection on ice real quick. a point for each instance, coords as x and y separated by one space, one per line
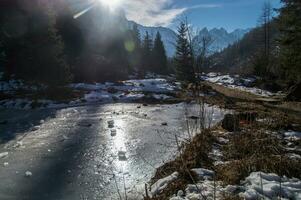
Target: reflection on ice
126 145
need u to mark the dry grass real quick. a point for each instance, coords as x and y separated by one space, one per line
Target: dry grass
255 150
192 156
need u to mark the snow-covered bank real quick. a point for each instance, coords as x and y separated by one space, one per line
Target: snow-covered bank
156 89
130 90
237 82
154 85
11 86
270 186
258 185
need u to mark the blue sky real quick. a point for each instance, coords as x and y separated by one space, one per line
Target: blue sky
230 14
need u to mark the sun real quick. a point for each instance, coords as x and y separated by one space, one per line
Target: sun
112 4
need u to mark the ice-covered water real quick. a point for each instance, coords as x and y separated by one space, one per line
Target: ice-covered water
89 152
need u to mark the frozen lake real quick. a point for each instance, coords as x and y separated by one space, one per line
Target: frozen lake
88 152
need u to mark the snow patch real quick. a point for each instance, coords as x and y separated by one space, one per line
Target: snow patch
237 82
290 188
28 174
3 154
292 135
161 184
203 173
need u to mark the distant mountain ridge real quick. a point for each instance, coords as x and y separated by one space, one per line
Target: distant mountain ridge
221 38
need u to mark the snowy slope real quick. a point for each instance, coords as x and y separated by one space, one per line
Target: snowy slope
220 38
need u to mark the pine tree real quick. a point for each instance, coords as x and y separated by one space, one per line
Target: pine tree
159 56
261 60
184 58
290 39
2 52
134 48
147 46
58 71
39 54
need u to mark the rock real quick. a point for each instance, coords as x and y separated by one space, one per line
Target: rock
28 174
121 155
84 124
294 93
230 123
111 123
113 132
194 117
164 123
5 164
138 106
145 104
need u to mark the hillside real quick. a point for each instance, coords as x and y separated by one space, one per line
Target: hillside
239 56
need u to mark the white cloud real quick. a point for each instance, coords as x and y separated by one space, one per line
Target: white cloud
156 12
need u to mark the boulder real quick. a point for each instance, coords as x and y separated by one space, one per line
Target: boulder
230 122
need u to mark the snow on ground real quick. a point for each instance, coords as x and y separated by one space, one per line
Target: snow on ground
3 154
155 85
203 173
290 188
13 85
125 91
250 189
158 85
292 135
29 104
128 90
253 90
207 189
225 79
236 82
161 184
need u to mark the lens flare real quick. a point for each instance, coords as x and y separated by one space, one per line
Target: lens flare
112 4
